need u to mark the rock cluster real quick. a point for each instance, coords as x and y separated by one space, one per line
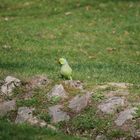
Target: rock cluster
10 83
74 104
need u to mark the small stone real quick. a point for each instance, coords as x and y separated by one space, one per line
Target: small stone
6 47
37 122
74 84
51 127
101 137
9 84
33 120
7 106
42 123
57 114
109 105
38 81
6 18
125 115
137 134
57 91
10 79
68 13
79 102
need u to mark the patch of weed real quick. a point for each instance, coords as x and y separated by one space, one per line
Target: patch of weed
98 96
88 123
30 102
10 131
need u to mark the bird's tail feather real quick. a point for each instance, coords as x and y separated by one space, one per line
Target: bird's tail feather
70 77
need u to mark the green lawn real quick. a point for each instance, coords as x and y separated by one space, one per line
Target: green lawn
10 131
99 38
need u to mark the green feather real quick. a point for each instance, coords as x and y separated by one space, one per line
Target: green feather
66 70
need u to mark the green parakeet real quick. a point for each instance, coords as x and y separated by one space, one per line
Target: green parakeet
66 70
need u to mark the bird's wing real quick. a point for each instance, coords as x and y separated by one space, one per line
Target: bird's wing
66 70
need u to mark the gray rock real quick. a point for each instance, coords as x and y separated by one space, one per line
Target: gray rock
38 81
7 106
74 84
125 115
57 90
9 84
79 102
25 114
57 114
101 137
36 121
109 105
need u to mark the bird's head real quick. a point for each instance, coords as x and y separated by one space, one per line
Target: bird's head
62 61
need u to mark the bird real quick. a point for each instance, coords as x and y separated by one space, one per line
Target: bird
66 70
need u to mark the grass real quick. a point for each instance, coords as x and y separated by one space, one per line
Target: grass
90 120
100 40
10 131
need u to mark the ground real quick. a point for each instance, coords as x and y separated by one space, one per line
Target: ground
100 40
